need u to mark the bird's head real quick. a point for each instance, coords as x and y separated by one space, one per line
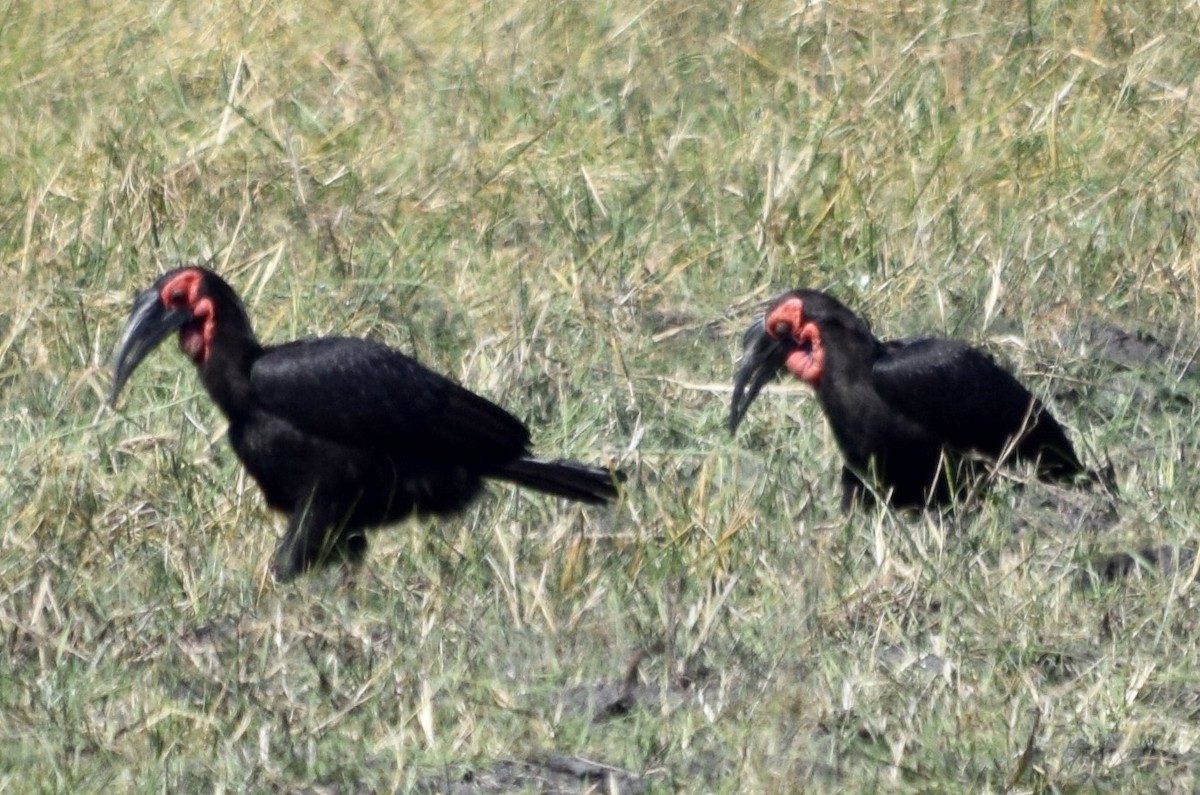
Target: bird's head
787 336
186 299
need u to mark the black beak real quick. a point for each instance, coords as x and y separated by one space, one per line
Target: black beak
762 359
149 323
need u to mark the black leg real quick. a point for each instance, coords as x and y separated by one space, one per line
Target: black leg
314 538
854 493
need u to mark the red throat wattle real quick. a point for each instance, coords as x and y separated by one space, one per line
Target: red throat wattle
195 339
196 336
807 360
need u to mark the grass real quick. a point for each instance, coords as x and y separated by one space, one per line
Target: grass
575 210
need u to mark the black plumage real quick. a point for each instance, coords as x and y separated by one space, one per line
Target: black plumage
911 417
341 434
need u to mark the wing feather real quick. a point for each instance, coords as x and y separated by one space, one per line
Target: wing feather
963 397
365 394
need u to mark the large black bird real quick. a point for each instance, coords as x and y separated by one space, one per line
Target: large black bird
912 417
341 434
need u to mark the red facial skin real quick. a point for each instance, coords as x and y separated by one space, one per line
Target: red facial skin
918 421
807 362
344 435
196 336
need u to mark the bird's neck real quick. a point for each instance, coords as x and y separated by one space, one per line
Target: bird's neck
849 355
847 375
226 370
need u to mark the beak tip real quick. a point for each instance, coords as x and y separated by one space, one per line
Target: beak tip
762 359
119 378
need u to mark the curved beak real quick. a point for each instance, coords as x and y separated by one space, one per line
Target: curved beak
149 323
762 359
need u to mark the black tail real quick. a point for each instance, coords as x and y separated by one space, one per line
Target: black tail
564 479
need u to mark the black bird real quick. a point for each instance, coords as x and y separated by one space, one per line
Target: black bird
901 410
343 435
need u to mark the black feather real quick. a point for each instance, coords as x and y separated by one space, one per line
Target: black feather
343 435
902 410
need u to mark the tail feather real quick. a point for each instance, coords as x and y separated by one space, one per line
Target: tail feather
563 478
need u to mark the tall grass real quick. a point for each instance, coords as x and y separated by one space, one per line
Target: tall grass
575 210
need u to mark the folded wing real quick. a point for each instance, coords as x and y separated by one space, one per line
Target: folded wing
365 394
960 395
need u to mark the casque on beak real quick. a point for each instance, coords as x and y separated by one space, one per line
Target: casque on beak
149 324
762 359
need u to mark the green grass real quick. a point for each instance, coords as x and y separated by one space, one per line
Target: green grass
576 210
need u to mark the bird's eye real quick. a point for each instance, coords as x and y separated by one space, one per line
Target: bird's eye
782 329
178 297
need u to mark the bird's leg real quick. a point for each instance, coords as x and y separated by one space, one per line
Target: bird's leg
314 537
854 491
302 543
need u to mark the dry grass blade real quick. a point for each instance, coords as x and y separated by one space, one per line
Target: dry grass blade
576 209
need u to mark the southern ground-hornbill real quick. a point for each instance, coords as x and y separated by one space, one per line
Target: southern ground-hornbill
912 417
341 434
